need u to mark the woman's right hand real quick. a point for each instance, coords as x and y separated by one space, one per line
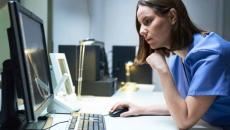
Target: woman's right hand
133 110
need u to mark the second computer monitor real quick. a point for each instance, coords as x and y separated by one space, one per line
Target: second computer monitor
64 84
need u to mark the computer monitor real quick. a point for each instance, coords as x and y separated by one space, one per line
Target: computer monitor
64 90
29 56
63 80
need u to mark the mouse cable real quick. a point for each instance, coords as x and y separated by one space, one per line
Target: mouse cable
54 125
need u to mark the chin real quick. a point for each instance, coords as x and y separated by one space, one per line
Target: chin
153 47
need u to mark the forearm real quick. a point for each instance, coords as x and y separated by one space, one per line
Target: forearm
157 110
186 112
177 106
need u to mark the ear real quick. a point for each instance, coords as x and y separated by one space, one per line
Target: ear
172 16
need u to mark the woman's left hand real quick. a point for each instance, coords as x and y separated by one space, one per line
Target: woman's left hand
157 61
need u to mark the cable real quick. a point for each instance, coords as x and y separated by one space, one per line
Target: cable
56 124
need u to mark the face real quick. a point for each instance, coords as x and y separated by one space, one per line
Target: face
154 28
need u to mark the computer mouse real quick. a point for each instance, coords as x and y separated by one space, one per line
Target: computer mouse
117 112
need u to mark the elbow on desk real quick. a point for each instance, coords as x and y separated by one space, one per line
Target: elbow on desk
184 120
184 124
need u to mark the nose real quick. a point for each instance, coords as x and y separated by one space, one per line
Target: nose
143 31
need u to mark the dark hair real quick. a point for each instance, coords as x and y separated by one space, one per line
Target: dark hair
181 34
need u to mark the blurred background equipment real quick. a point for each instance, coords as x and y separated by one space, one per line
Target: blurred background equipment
95 76
125 70
121 55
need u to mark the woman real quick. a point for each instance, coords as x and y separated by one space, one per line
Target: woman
196 83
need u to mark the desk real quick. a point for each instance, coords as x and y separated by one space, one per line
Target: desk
144 96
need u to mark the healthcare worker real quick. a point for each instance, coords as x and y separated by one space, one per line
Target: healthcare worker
196 83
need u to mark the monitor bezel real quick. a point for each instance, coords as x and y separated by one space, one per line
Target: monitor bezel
18 55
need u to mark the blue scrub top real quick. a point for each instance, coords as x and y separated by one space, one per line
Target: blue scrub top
206 71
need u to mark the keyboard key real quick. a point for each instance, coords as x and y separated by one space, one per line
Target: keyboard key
73 122
90 125
95 126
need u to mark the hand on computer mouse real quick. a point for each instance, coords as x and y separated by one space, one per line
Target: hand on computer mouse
131 109
118 112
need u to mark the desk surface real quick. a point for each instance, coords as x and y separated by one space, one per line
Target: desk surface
144 96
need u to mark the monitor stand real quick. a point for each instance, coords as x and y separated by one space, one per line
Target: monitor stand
64 102
9 116
44 122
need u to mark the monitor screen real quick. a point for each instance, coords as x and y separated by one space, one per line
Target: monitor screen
28 51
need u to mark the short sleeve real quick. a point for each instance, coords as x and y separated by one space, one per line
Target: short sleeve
209 74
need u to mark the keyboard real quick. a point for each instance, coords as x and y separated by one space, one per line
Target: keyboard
87 122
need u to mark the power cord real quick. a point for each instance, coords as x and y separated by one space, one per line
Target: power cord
56 124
